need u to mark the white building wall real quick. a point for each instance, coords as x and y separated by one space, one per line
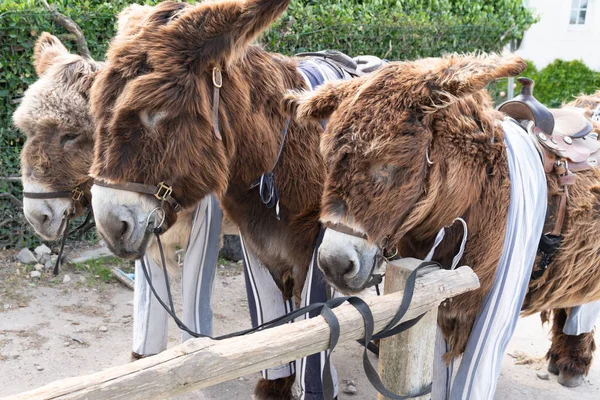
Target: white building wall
553 37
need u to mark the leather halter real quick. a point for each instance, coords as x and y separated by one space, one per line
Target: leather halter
76 195
346 230
164 191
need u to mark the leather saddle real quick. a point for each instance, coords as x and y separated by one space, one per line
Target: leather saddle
562 134
357 66
566 144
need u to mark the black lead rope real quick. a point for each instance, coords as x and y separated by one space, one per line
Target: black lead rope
85 226
62 245
325 309
267 188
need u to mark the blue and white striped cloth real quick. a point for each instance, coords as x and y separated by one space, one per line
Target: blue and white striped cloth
479 369
316 72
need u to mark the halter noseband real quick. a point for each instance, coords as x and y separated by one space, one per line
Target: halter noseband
162 191
77 195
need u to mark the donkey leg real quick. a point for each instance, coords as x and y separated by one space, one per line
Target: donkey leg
278 389
570 356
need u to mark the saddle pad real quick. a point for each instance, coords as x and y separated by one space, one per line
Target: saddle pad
317 71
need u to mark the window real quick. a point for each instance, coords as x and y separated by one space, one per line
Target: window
578 12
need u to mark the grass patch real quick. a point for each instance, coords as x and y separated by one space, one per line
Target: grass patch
99 270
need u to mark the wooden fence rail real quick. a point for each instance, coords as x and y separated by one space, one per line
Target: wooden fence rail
200 363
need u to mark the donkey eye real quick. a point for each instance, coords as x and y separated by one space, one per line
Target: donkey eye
383 173
69 137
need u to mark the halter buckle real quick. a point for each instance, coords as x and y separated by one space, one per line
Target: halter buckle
77 194
163 191
217 78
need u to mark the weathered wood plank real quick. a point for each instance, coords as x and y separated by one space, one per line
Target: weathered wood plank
200 363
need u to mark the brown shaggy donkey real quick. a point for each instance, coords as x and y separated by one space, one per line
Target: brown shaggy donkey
382 133
59 148
154 104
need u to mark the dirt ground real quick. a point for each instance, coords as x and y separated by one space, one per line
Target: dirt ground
51 330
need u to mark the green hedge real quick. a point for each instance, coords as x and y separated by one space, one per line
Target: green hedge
557 83
401 29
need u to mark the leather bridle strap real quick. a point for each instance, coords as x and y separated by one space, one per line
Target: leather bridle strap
346 230
48 195
76 195
162 191
217 79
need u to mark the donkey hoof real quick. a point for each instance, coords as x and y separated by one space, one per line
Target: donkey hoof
570 381
552 368
278 389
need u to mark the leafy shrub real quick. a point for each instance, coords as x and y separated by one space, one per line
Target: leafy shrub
557 83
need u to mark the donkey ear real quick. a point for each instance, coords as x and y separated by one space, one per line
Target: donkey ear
322 102
47 49
220 31
460 75
131 18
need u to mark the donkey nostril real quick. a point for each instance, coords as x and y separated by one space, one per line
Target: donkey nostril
45 218
124 228
350 270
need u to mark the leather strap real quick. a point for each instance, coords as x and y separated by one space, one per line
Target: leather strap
346 230
48 195
217 79
560 215
77 195
567 180
161 191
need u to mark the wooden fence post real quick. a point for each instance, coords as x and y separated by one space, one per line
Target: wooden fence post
406 359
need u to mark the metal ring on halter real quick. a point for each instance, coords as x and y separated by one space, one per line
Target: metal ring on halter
389 257
162 221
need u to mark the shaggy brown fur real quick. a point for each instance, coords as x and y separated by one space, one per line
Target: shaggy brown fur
55 119
166 69
586 101
572 355
375 145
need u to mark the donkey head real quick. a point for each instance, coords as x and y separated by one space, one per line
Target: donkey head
383 129
59 133
154 111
